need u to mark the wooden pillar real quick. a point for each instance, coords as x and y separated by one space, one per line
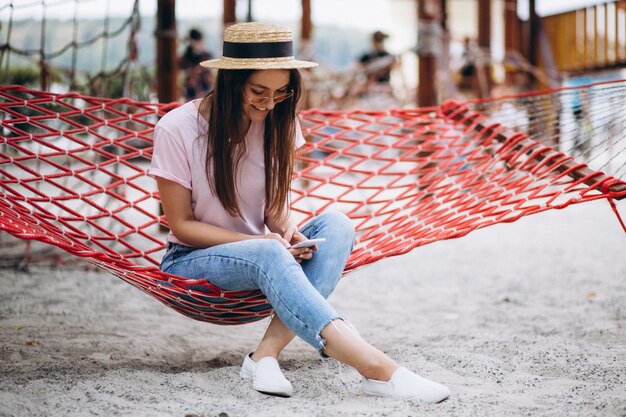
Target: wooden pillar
167 58
306 32
307 24
443 13
249 17
484 24
533 40
428 46
483 68
230 16
511 37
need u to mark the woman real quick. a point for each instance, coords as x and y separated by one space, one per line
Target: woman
223 167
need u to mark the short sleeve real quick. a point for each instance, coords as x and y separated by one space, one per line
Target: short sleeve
169 158
300 141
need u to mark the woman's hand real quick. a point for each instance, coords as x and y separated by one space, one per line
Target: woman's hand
278 237
287 233
300 254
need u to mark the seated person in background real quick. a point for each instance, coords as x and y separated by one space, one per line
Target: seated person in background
198 81
468 71
378 62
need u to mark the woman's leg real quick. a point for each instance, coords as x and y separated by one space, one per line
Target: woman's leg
295 296
344 344
265 264
326 266
261 264
323 271
276 338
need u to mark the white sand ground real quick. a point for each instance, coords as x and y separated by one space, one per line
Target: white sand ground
522 319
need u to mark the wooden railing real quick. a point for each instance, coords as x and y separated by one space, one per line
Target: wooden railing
593 38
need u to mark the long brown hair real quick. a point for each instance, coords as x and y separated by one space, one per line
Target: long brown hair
223 108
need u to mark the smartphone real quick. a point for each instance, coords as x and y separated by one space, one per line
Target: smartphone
307 243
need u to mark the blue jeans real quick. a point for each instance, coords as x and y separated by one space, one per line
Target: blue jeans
297 292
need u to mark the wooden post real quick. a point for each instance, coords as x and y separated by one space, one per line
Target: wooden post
596 51
43 65
483 69
533 40
167 58
307 25
484 23
428 45
585 40
249 17
230 16
306 52
616 33
306 32
443 13
511 38
605 34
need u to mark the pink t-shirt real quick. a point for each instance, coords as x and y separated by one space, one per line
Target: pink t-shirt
179 155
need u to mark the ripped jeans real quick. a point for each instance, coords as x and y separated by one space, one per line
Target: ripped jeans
297 292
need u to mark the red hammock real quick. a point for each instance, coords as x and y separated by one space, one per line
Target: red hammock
73 175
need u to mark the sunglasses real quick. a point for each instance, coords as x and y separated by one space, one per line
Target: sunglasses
262 101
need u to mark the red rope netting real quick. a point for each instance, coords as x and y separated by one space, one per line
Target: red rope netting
73 175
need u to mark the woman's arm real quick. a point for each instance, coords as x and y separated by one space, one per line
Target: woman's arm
176 201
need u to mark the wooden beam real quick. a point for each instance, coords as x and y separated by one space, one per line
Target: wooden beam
484 24
443 12
575 51
511 36
533 41
484 43
428 28
616 32
606 34
533 38
585 39
230 16
307 24
622 7
167 58
596 48
510 25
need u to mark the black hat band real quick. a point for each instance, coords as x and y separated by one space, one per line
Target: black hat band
258 49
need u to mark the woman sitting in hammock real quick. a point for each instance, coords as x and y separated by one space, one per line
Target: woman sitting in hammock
223 166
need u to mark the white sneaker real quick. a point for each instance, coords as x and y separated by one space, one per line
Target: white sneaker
406 384
266 376
247 368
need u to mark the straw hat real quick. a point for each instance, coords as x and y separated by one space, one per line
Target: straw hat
257 46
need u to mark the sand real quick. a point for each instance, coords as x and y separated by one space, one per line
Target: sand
521 319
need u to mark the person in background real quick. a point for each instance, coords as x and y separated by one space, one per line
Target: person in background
378 63
198 81
468 73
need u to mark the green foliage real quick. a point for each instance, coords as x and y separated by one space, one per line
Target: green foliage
141 81
25 76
